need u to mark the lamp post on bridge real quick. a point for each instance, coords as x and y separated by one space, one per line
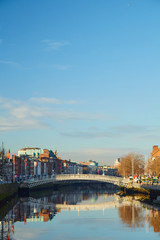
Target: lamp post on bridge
103 168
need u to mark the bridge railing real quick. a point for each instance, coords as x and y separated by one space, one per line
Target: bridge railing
71 177
88 177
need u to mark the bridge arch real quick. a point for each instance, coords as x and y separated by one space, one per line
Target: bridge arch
62 178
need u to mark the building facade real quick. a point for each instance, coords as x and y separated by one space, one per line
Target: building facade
35 152
155 152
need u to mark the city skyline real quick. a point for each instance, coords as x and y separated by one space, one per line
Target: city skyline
81 77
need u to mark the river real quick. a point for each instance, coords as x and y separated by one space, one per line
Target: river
80 213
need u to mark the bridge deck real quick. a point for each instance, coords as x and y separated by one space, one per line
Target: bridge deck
75 177
64 178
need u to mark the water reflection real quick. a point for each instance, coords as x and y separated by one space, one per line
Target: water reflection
132 213
136 215
154 219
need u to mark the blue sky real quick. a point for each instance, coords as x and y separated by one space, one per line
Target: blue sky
80 76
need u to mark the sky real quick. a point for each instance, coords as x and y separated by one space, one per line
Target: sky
81 76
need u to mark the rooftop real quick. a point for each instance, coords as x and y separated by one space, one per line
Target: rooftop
29 148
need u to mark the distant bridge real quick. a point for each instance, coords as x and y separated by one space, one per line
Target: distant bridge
91 178
65 178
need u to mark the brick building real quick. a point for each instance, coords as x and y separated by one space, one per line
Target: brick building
155 152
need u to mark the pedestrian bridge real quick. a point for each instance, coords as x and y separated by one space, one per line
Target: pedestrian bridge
91 178
66 178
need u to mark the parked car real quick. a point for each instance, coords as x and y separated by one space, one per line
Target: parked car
155 180
139 181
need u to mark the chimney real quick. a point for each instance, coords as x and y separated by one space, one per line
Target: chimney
155 148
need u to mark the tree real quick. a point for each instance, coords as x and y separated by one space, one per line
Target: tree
131 164
155 166
3 163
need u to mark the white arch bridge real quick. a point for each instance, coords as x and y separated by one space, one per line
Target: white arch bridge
68 178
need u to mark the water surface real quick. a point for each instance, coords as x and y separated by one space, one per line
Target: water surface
81 214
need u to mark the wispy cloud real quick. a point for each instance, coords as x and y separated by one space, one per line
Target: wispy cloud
1 41
18 115
12 124
37 112
79 116
133 131
43 112
54 45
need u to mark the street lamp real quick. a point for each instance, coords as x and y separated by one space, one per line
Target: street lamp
132 167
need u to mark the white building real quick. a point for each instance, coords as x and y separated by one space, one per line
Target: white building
34 152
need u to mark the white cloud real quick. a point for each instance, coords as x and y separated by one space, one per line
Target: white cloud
37 112
53 45
10 124
24 111
18 115
44 113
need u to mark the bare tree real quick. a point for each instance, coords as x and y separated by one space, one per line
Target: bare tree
131 164
155 166
3 162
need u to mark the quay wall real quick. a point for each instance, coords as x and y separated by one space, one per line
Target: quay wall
7 191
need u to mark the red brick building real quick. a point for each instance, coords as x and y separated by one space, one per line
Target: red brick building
155 152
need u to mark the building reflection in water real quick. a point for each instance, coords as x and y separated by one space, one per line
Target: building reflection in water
45 208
